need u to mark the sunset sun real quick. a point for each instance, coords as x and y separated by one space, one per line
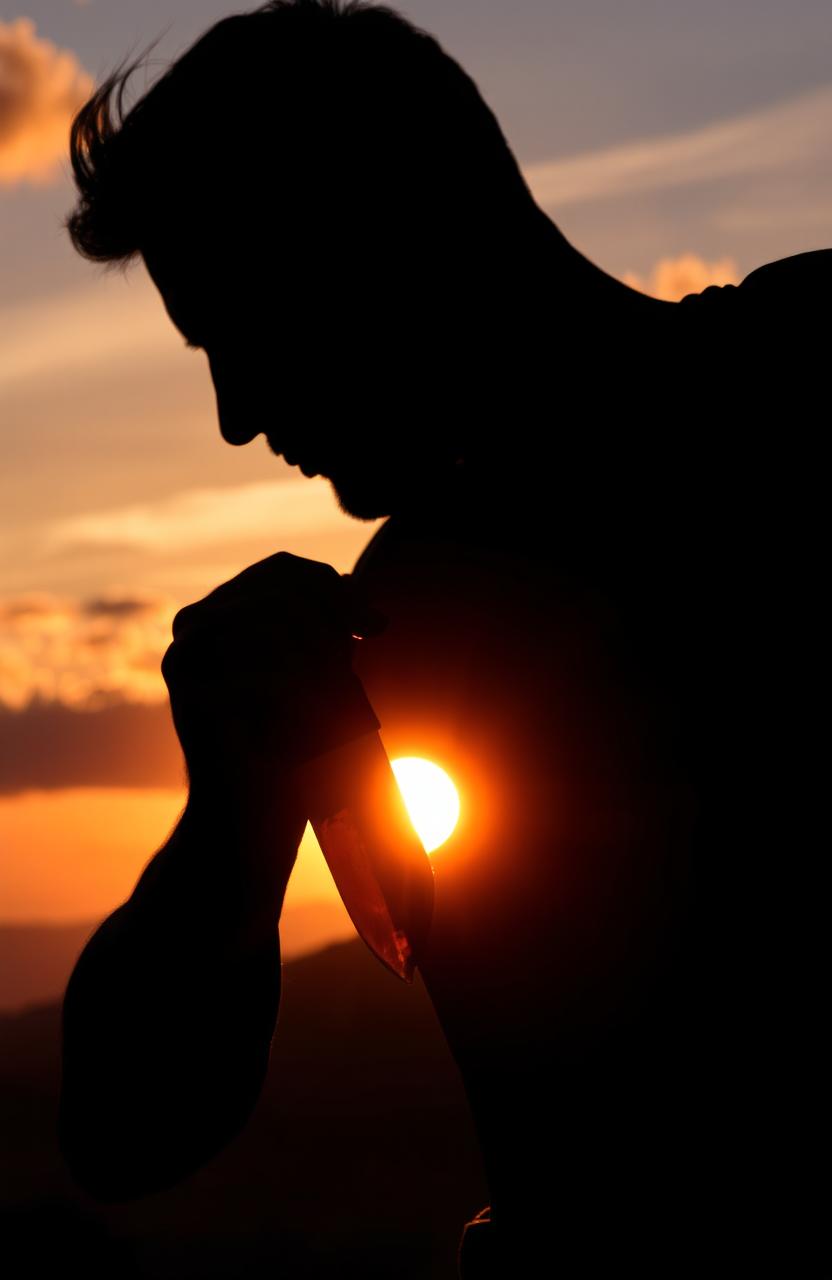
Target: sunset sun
430 797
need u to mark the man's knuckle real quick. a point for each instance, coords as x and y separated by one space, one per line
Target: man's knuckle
169 663
184 618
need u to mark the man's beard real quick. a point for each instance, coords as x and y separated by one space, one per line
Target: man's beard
372 491
367 495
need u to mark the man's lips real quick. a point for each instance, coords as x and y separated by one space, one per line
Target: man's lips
307 465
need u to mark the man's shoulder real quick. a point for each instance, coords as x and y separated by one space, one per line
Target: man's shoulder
463 587
785 296
804 275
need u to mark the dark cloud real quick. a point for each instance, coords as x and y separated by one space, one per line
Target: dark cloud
47 746
128 607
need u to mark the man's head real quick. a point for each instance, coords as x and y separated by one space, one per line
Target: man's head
332 212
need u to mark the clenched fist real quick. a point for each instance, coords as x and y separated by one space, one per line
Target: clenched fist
260 671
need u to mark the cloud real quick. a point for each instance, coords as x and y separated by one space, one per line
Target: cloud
47 746
789 137
672 278
199 518
83 653
41 88
126 607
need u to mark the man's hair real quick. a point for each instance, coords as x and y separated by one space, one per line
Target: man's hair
342 116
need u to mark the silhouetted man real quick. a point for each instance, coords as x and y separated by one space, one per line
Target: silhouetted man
597 578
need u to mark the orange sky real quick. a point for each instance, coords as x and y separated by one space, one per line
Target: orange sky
76 854
119 502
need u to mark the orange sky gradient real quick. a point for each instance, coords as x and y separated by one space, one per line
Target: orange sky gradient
119 502
76 854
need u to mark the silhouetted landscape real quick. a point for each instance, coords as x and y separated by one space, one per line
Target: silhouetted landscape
359 1159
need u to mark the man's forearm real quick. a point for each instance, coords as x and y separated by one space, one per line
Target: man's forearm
169 1013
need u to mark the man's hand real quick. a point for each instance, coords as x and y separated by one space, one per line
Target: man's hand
256 666
260 679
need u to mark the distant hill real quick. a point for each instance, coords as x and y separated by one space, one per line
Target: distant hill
360 1159
37 959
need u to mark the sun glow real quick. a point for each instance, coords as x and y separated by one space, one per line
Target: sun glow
430 797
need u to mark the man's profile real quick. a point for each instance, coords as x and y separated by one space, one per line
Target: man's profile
577 581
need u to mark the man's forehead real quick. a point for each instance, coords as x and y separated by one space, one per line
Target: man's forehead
212 301
220 281
173 279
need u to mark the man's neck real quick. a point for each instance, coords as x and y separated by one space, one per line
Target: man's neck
547 258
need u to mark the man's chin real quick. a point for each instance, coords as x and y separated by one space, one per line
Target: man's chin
389 487
360 500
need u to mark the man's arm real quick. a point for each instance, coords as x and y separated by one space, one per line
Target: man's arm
169 1013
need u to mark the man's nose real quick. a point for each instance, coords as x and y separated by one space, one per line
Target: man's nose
235 429
238 415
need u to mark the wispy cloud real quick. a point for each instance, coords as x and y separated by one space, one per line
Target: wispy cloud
41 87
113 318
790 136
202 518
672 278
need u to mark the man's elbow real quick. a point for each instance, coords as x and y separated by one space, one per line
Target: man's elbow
114 1158
125 1133
100 1160
158 1075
